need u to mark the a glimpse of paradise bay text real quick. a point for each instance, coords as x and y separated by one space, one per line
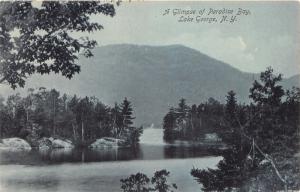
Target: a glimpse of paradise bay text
207 15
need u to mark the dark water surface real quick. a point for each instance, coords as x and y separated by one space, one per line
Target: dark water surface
151 147
142 152
86 170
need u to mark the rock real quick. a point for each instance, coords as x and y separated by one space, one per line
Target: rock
14 143
58 143
107 142
47 143
212 137
181 142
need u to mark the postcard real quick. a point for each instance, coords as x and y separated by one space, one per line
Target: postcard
142 96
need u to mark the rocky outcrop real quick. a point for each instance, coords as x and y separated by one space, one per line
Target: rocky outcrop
14 143
59 143
47 143
107 142
212 137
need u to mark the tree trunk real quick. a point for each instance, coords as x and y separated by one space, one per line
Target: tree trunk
192 123
100 127
82 131
54 121
74 131
200 122
114 126
27 115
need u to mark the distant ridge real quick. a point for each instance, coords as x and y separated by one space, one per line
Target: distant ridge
154 78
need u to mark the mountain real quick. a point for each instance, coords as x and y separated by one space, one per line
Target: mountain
154 78
292 81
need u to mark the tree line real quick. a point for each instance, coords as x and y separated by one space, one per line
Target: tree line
192 122
262 137
45 113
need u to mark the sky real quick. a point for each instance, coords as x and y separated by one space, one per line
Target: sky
269 36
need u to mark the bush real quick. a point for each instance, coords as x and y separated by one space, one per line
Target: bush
141 183
136 183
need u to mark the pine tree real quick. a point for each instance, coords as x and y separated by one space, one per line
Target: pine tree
232 128
231 107
126 113
267 95
230 171
268 91
116 120
101 113
182 112
169 125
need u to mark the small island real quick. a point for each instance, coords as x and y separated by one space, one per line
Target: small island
46 119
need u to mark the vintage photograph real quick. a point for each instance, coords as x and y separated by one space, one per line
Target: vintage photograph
149 96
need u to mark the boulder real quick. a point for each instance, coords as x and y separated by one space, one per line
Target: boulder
59 143
47 143
107 142
212 137
14 143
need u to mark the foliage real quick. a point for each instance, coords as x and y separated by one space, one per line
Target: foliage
135 183
48 113
262 139
160 181
134 135
169 124
141 183
267 92
192 123
40 40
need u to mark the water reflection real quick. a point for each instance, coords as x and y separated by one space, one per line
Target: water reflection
142 152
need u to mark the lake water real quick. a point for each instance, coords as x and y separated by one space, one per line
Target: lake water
101 170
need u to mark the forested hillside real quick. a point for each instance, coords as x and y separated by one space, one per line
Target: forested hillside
159 75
